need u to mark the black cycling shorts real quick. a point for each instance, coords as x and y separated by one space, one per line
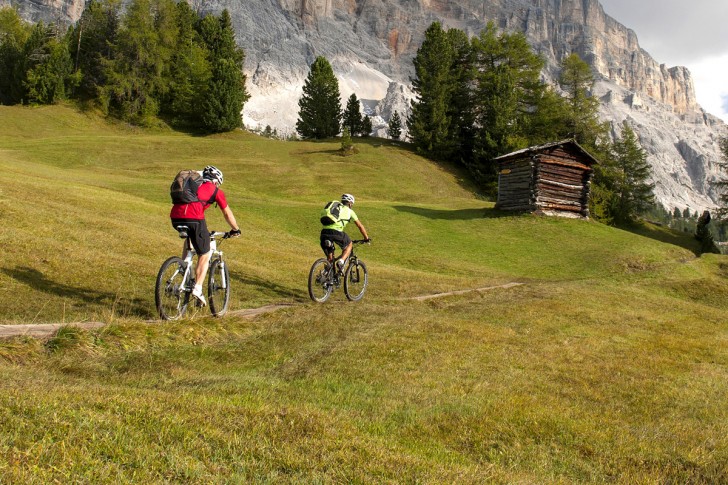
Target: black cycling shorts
338 237
197 232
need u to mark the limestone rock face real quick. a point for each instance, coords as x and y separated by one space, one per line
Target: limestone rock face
371 44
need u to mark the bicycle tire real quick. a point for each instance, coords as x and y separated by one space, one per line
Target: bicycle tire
356 280
319 285
170 295
218 288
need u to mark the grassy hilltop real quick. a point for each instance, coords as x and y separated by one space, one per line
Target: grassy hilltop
608 364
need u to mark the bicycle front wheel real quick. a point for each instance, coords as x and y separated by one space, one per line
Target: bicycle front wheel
218 288
170 294
319 284
355 281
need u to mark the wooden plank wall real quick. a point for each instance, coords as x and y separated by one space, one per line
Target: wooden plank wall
562 182
553 181
516 185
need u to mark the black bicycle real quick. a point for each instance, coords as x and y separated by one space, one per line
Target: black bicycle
176 279
324 277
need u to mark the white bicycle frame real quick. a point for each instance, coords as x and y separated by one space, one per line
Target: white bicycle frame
188 252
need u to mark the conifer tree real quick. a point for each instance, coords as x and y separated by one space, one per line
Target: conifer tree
135 80
352 116
91 42
347 147
226 94
429 122
319 113
14 33
395 126
507 87
582 120
366 126
461 106
190 70
49 67
634 194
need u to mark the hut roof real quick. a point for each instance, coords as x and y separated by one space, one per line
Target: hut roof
540 148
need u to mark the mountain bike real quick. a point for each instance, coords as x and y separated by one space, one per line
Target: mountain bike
176 279
324 277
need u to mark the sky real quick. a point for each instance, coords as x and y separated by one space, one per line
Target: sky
683 33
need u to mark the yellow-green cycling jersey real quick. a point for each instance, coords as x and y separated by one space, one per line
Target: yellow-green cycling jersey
345 216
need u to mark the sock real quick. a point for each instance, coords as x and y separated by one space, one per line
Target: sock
197 289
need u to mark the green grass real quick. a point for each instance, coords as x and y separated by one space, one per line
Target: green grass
609 364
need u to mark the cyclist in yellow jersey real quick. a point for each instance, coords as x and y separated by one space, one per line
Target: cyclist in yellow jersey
335 232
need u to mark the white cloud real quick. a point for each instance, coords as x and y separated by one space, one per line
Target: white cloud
710 76
690 35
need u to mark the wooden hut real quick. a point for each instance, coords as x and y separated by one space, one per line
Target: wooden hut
551 179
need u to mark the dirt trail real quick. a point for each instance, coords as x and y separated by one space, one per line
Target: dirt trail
462 292
46 330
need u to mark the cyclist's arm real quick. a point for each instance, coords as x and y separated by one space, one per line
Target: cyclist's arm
361 229
230 218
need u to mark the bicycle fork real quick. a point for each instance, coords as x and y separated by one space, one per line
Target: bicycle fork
223 282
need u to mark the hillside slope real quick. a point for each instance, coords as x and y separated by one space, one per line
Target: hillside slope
608 364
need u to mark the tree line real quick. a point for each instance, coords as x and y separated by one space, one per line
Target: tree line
476 99
155 58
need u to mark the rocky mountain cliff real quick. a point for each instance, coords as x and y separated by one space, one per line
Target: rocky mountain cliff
371 43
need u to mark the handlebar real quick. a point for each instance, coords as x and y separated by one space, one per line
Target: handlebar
223 235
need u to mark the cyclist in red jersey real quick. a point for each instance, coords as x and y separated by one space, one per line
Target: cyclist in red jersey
192 215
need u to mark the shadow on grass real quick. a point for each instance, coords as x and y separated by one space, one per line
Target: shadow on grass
454 215
267 286
38 281
666 235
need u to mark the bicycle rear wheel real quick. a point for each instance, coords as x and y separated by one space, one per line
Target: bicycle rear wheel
355 281
218 288
170 293
319 284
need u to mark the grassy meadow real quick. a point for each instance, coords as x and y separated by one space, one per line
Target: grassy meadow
608 364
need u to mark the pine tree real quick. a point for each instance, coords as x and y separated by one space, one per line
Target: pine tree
429 122
347 147
395 126
319 113
14 34
190 70
135 80
634 194
91 42
226 94
366 126
352 116
460 108
582 120
49 68
507 87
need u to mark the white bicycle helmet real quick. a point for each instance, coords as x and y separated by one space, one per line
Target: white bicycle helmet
347 198
213 174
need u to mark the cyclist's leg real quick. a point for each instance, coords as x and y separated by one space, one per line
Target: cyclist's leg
201 243
199 237
327 243
203 261
346 246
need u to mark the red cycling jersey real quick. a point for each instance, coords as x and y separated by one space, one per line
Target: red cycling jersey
196 210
